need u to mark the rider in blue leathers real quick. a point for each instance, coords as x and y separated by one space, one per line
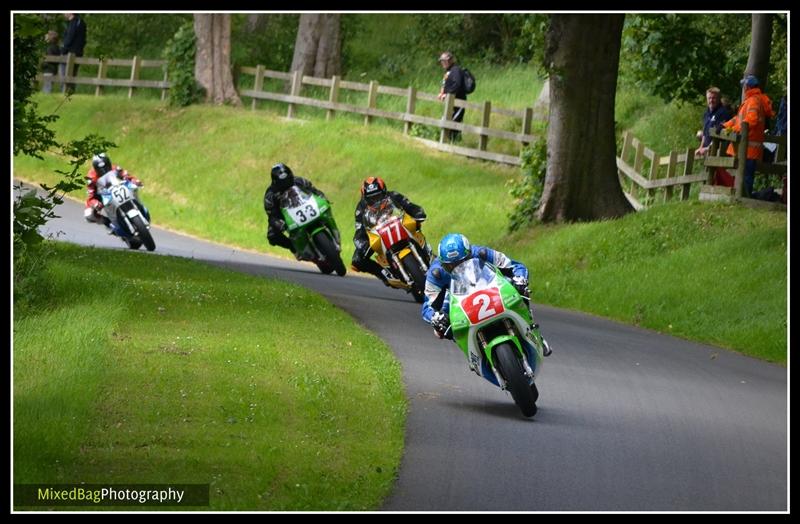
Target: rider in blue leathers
454 249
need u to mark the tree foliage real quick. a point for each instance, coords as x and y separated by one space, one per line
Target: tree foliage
33 138
679 56
180 55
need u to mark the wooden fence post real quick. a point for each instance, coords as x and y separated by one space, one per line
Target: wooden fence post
651 192
526 123
687 170
638 162
297 80
102 70
135 70
741 156
449 104
333 97
411 105
259 84
671 168
485 118
372 98
67 71
166 79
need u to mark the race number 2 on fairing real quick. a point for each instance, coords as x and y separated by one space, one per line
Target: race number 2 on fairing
482 304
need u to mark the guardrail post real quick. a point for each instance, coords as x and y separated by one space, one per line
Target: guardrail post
135 70
485 118
449 104
297 82
372 99
259 84
333 97
411 106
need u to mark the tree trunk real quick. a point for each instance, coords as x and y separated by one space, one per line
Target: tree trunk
318 47
255 23
582 182
212 66
328 60
305 46
760 42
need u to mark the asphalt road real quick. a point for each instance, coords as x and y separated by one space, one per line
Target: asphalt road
629 420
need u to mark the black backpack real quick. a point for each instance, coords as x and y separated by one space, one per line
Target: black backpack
469 81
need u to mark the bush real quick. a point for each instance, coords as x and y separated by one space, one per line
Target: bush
180 53
527 191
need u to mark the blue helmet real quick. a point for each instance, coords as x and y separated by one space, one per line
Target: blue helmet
454 248
749 81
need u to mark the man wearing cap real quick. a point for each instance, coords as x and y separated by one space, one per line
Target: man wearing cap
755 110
453 82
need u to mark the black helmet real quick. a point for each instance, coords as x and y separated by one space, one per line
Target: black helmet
373 189
101 163
282 177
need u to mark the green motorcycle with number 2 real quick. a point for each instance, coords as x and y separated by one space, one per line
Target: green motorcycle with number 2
493 326
312 230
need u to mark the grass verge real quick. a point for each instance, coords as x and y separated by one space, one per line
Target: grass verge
132 370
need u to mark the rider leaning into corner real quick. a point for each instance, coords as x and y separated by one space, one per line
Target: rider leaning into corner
453 250
99 178
374 195
282 179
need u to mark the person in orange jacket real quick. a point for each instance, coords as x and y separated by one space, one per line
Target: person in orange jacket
755 110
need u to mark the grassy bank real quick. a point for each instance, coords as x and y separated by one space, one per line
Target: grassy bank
206 169
151 370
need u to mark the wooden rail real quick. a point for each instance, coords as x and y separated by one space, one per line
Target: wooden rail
644 178
332 104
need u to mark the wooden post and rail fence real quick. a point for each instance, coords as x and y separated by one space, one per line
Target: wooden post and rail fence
645 176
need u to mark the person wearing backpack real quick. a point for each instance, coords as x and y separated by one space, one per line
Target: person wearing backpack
457 81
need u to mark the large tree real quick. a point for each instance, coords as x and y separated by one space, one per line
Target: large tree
583 59
318 47
213 58
760 44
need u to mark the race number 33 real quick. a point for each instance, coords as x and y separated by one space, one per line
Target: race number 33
483 304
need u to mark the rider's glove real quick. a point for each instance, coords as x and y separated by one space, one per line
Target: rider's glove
441 324
521 284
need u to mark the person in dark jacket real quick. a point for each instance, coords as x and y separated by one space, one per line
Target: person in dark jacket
716 114
453 82
373 195
73 42
282 179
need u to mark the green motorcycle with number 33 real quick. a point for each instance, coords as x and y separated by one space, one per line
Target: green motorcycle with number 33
312 230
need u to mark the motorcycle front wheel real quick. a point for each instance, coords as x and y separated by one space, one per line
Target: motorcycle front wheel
328 249
510 369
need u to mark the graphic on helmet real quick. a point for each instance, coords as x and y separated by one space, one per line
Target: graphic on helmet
101 163
454 249
282 177
373 189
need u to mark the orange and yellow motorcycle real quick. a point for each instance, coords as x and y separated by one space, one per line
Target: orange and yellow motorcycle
400 247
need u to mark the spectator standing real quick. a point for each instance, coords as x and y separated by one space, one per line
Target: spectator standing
716 114
453 82
755 110
74 41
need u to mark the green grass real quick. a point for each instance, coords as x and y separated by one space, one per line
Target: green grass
206 169
163 370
